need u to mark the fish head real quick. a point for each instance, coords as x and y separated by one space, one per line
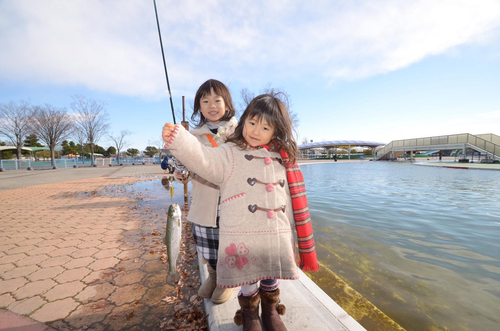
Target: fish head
174 211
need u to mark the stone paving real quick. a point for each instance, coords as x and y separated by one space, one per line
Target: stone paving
74 258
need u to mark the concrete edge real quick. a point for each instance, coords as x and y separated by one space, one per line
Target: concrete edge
340 314
214 321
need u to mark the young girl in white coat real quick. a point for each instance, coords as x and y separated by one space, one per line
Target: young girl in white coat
214 111
262 202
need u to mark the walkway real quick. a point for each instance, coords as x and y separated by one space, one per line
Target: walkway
77 259
487 144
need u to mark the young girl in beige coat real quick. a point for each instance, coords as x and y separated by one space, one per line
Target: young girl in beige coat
214 110
262 203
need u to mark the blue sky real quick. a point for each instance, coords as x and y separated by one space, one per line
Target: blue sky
365 70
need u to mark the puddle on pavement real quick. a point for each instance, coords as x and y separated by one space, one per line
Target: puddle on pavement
152 303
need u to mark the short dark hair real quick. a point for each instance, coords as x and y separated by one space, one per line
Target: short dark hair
273 110
205 89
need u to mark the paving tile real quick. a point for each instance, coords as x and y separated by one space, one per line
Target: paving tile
69 243
56 310
109 244
115 237
50 242
6 267
20 272
78 263
21 249
41 250
95 292
12 284
34 288
5 301
65 290
130 265
84 252
37 235
55 261
46 273
27 306
149 257
12 258
113 232
113 252
154 266
129 317
100 276
32 241
155 295
63 251
71 275
127 294
109 262
30 260
6 247
21 236
129 278
89 313
7 241
87 244
129 254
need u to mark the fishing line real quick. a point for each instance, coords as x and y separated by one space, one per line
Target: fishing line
164 62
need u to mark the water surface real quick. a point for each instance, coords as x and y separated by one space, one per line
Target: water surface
421 243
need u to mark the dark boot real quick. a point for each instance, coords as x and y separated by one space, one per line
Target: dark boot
248 315
271 309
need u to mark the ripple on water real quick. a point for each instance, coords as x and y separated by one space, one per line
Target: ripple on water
421 243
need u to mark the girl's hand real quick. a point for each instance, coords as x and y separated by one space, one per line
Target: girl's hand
168 129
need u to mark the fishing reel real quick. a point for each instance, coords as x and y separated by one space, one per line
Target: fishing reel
179 167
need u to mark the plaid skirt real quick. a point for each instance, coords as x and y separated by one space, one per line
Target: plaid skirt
207 242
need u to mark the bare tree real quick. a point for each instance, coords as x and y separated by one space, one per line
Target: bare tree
92 119
15 123
52 126
81 139
120 142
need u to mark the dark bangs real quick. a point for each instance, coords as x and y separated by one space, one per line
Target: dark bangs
274 111
220 89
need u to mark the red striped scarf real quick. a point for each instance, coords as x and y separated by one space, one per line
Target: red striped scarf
307 249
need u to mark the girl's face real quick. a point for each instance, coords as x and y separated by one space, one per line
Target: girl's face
213 107
257 132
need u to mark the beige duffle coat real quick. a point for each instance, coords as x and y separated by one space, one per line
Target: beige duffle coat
256 216
205 195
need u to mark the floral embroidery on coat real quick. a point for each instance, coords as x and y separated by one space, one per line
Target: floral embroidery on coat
236 255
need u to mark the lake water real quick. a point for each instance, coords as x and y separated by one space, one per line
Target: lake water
421 243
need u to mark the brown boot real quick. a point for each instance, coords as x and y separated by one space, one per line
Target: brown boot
271 309
221 295
248 315
207 288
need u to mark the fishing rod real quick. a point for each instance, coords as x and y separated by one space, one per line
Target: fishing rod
164 63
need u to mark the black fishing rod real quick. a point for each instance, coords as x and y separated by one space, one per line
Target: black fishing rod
164 63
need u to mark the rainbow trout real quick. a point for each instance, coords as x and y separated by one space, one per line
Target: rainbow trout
173 241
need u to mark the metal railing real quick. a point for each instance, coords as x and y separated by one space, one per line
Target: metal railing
28 164
441 142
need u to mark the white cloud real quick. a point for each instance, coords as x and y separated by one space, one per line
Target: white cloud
491 114
113 45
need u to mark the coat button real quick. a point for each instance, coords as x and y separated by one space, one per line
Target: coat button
267 160
269 187
270 214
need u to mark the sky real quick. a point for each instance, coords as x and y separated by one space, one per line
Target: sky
363 70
